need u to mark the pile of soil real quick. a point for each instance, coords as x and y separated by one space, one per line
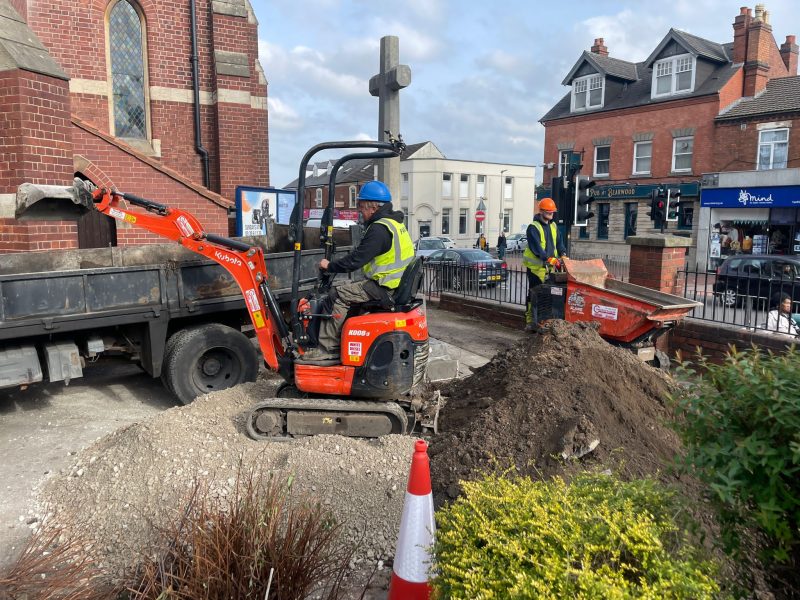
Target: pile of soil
124 489
556 402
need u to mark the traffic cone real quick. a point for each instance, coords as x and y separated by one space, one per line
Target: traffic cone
412 556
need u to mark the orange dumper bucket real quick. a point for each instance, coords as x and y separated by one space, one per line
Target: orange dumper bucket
627 313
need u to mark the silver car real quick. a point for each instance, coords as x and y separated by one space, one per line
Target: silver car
516 242
426 246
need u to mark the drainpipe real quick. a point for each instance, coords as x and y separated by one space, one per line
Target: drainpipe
198 136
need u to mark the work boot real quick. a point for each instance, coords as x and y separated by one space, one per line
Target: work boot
533 328
319 357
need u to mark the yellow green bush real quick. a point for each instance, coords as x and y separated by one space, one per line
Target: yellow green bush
596 537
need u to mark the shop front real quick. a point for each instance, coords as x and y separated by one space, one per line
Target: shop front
750 220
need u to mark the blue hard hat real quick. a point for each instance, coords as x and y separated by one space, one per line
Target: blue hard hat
375 191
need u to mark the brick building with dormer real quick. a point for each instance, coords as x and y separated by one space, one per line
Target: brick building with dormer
163 99
640 125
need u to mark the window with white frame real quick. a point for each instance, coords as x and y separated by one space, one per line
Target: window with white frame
480 187
462 221
682 150
447 185
351 200
463 186
508 188
773 149
506 219
318 197
674 75
642 155
587 92
563 162
404 185
602 161
445 221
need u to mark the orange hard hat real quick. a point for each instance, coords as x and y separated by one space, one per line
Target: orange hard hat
547 204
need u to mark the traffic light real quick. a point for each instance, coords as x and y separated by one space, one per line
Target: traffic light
583 200
658 206
673 204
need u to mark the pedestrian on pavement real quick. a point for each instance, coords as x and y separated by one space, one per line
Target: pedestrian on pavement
501 245
542 255
481 243
779 319
383 255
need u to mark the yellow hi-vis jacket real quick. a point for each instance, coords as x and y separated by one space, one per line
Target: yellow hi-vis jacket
532 262
387 268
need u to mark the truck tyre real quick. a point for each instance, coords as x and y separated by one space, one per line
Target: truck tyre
208 358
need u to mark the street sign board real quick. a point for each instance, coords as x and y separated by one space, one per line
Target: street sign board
480 215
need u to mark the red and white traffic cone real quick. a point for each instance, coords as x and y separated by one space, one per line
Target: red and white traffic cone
412 556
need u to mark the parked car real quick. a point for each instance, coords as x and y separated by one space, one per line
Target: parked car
516 242
463 268
761 277
426 246
448 242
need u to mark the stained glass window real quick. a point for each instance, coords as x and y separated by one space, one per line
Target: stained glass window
127 71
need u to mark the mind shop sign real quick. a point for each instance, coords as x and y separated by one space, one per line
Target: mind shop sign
751 197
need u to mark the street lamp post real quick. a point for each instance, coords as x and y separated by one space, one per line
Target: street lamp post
502 183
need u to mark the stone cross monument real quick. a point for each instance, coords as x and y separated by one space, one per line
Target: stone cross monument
386 85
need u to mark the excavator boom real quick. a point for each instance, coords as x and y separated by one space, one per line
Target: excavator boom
245 263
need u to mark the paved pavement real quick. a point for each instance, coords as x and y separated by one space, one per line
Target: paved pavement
43 427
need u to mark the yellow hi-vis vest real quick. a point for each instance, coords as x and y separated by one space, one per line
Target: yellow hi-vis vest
387 268
534 263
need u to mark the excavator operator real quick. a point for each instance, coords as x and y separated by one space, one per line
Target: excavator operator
542 255
383 254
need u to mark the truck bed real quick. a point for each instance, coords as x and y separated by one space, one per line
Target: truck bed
48 292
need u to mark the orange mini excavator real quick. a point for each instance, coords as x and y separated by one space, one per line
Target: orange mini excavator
384 347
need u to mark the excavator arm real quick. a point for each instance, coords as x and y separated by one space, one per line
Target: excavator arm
245 263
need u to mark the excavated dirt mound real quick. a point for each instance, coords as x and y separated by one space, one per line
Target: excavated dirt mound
556 402
125 488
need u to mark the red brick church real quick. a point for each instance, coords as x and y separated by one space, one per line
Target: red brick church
162 98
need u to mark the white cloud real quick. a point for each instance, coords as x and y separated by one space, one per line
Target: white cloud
628 35
283 116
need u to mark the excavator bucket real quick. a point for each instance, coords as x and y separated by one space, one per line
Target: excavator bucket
52 202
591 272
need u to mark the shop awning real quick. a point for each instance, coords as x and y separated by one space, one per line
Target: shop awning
740 216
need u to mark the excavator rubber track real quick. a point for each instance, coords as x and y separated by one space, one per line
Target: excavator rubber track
281 419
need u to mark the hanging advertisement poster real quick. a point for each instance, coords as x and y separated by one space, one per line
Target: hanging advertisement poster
255 205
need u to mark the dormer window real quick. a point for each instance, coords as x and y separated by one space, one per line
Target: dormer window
674 75
587 92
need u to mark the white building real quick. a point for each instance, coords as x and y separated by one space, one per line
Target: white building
441 196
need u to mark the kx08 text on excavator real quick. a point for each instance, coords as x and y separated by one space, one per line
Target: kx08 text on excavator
384 347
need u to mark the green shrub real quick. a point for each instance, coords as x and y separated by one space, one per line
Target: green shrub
596 537
740 423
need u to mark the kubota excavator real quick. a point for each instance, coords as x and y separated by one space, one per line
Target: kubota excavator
384 348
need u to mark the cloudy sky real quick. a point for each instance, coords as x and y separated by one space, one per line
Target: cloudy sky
483 73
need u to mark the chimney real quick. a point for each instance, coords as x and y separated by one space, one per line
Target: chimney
599 48
757 62
789 51
740 26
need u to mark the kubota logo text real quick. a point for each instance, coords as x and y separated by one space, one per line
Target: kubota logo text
228 259
359 333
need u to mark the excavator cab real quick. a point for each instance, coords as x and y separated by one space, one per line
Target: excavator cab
382 341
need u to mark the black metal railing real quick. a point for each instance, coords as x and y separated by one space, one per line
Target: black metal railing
748 299
502 285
